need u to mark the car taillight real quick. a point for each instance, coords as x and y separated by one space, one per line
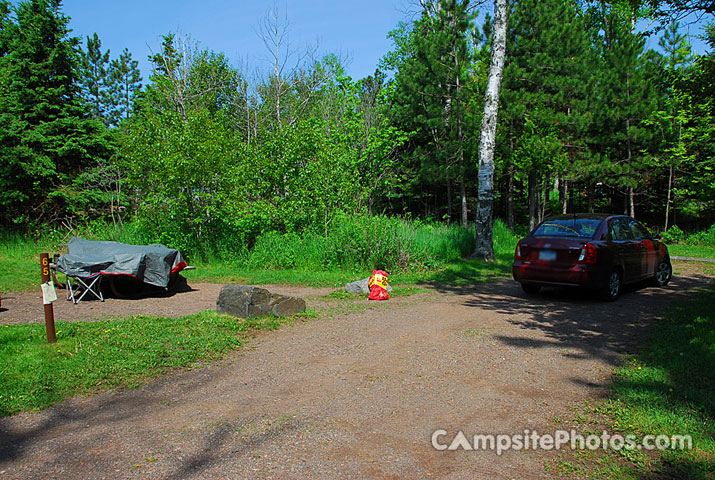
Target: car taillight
517 254
589 253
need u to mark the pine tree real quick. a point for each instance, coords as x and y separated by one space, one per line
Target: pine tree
46 138
430 98
622 100
674 118
96 81
676 48
543 101
126 82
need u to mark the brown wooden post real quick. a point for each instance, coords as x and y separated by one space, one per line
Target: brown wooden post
49 312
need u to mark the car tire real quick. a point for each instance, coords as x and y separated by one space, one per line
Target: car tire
530 288
612 289
663 273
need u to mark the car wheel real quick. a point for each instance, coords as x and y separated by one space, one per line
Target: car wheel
530 288
613 286
663 272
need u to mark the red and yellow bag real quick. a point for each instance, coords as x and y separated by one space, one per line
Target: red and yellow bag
378 285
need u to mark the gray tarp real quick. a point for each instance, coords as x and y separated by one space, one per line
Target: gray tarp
151 264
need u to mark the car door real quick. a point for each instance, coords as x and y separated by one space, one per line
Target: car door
626 253
645 248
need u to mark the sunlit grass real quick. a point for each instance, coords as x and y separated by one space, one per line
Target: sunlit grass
668 388
90 356
694 251
414 252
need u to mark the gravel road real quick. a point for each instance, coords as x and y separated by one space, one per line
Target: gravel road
354 393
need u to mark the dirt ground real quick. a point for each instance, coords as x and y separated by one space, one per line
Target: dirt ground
27 307
354 393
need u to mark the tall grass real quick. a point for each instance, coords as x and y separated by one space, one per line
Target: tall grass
20 260
359 243
350 246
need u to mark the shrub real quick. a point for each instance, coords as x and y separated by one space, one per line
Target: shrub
673 235
705 238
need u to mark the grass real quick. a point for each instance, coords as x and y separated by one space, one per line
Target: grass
695 251
90 356
125 353
20 261
462 272
411 251
219 272
667 388
695 244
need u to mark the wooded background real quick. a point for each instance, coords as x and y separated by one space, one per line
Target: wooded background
204 152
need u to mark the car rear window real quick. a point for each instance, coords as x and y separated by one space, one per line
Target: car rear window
568 227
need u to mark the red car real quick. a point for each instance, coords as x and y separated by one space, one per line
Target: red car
599 252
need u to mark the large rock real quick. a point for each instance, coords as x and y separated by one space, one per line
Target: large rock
245 301
361 286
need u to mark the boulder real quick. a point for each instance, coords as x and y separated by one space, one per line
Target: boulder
361 286
283 305
245 301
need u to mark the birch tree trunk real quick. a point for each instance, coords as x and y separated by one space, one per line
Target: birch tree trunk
564 189
484 247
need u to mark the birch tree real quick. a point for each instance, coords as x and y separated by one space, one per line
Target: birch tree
485 197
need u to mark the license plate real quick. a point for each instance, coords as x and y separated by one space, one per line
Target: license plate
547 255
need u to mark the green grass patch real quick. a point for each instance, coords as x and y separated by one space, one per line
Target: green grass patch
220 272
695 244
695 251
20 261
668 388
90 356
411 251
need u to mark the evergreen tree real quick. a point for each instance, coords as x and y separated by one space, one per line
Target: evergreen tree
622 100
46 138
5 25
676 48
430 98
544 110
674 117
126 82
96 81
695 188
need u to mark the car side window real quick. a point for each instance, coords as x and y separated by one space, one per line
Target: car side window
620 230
639 231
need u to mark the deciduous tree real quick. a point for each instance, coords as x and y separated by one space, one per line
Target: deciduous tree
485 208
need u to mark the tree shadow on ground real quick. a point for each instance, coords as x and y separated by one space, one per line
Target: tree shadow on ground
100 415
575 320
212 452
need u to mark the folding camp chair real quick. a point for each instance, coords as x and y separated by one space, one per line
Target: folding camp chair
78 287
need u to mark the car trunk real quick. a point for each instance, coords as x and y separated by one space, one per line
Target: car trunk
551 251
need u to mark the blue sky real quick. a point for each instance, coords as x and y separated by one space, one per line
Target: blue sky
355 30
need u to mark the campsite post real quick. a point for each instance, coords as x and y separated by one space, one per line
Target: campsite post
49 312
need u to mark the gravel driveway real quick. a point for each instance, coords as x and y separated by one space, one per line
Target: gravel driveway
355 393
